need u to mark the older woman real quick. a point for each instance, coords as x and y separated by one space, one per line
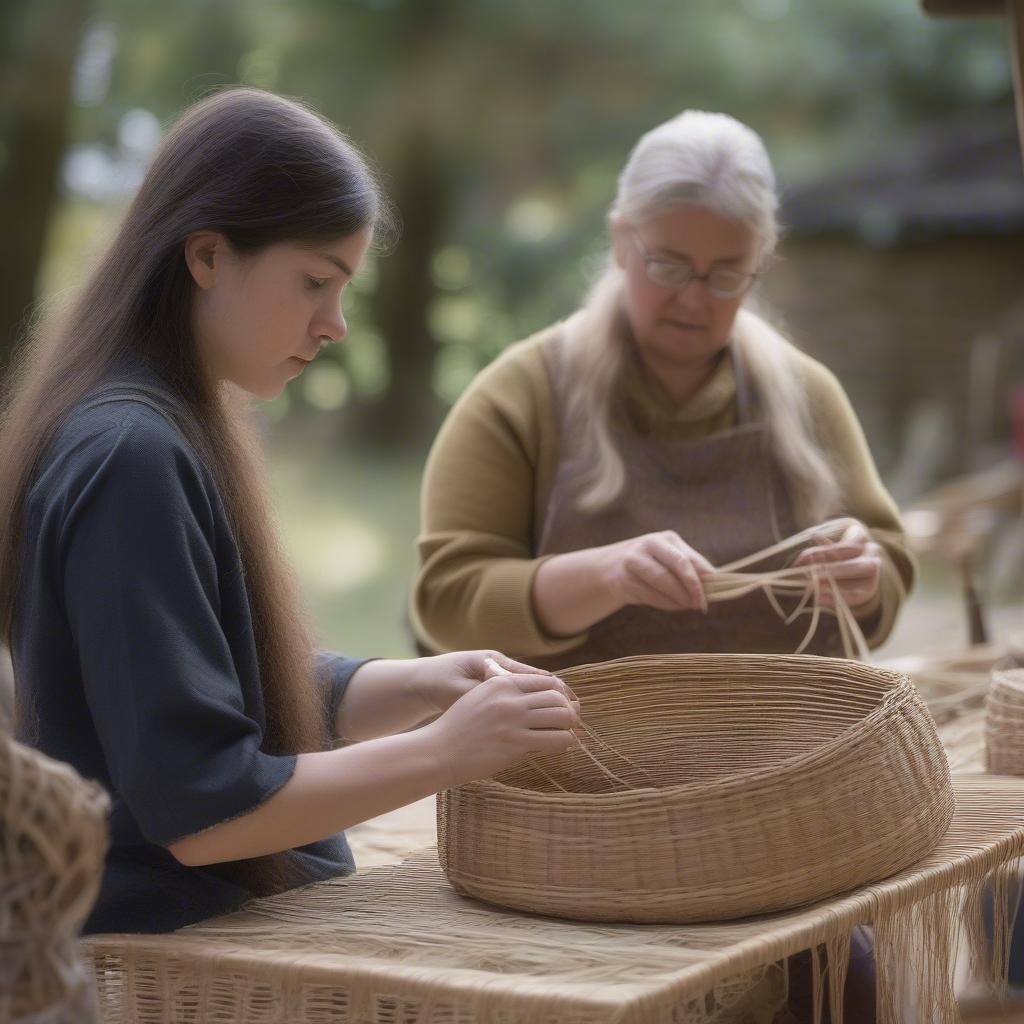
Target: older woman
587 484
583 489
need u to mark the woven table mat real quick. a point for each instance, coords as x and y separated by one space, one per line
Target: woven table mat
399 945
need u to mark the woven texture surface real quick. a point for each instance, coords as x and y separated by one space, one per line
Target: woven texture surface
53 837
711 787
952 683
399 945
955 687
1004 721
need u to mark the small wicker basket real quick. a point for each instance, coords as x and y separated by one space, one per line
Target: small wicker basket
53 838
1004 721
752 783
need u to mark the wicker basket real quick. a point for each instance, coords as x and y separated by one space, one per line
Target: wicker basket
1004 721
752 783
53 838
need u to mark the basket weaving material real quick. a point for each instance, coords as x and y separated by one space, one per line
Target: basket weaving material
951 683
53 838
954 687
399 946
754 783
1004 722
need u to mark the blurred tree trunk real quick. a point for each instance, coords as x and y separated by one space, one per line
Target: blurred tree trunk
413 154
43 42
409 410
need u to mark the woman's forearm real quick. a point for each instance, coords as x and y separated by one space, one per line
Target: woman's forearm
328 792
383 697
571 591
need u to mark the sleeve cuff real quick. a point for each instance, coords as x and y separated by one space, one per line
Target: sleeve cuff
163 823
893 593
335 672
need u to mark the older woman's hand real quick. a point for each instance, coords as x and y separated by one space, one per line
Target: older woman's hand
854 562
572 591
659 570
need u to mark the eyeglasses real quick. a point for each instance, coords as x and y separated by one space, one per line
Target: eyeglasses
722 284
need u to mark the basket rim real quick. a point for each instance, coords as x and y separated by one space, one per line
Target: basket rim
901 689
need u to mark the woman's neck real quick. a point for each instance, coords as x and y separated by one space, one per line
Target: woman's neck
679 382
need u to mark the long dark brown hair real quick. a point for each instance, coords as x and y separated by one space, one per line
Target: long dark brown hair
259 169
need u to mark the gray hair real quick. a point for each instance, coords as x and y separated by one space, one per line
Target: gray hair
714 162
706 160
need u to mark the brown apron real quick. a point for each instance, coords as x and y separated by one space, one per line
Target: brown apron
723 494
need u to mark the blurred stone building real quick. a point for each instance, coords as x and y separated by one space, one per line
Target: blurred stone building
905 274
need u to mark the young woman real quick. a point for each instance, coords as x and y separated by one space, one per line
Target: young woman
588 482
157 641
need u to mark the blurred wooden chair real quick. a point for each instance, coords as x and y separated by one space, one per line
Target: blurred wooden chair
954 521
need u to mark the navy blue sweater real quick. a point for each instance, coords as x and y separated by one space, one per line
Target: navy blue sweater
135 659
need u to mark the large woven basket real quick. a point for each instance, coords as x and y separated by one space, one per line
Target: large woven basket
752 783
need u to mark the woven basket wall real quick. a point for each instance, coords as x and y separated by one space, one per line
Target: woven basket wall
1004 721
761 783
53 838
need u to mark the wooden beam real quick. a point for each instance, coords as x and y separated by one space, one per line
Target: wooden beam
965 8
1015 14
1013 11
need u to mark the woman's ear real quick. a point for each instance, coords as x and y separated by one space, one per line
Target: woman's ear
619 230
203 251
